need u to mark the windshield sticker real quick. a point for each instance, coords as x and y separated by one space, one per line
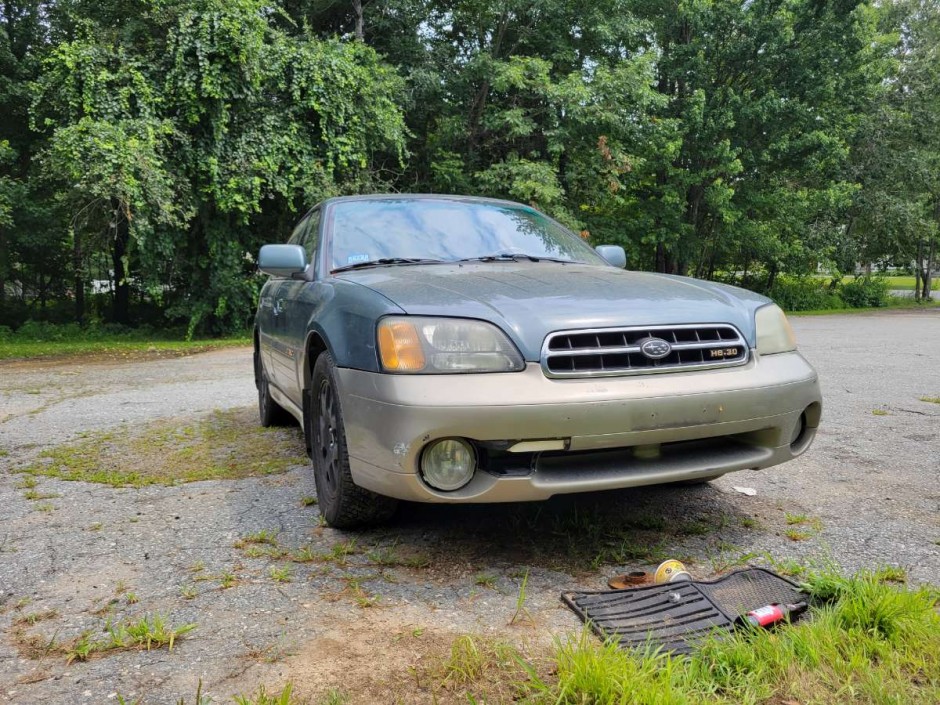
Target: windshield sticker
355 259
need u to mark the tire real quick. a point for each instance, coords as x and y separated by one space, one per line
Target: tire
342 503
270 413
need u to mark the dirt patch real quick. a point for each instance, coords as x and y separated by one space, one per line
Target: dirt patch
417 664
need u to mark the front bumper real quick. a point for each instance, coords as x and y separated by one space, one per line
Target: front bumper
705 423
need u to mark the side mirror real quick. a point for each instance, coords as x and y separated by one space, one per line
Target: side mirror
283 260
614 255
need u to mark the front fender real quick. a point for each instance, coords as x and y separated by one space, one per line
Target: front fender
345 326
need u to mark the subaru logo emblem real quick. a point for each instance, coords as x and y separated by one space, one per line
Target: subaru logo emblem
655 348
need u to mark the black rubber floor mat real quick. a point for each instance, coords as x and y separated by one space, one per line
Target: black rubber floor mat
676 615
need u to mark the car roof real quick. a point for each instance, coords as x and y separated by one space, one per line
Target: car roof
422 197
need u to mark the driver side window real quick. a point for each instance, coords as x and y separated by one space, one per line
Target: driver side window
311 237
297 235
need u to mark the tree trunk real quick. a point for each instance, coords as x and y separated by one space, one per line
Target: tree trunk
360 29
3 268
122 289
771 276
79 281
928 272
917 277
43 290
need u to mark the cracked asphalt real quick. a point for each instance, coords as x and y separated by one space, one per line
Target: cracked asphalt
868 490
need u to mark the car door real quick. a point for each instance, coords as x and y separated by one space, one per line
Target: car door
300 301
281 354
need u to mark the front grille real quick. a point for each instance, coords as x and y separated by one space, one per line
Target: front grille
618 351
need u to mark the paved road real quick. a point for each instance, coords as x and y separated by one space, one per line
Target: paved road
869 485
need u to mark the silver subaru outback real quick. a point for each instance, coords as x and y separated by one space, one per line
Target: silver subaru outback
456 349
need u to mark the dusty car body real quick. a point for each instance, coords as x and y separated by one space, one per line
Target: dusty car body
449 349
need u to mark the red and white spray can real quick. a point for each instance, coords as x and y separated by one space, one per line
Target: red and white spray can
771 614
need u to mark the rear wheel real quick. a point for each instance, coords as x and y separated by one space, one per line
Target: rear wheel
270 413
342 503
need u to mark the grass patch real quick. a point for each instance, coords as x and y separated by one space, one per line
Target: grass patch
355 590
225 445
931 400
895 303
474 660
879 412
74 342
262 537
804 520
485 580
394 557
282 574
34 617
263 697
796 534
869 643
36 495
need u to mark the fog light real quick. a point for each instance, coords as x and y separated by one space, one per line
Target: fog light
798 438
448 464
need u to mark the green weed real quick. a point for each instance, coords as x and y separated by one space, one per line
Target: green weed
796 534
280 575
262 697
34 495
487 581
264 536
149 632
521 609
473 658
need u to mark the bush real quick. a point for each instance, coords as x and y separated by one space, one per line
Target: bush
46 332
865 292
804 294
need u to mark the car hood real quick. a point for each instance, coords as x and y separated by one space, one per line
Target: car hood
529 300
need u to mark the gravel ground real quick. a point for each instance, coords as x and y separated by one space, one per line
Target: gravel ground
375 623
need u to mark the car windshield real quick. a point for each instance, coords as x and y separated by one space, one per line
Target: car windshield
397 231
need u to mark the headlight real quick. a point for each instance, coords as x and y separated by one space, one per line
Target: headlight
774 334
414 344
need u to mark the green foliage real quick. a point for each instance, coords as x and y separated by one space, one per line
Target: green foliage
804 294
865 292
158 145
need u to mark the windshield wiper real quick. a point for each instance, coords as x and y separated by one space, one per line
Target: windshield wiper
513 257
386 261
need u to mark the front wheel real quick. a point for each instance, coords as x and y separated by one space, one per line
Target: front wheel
342 503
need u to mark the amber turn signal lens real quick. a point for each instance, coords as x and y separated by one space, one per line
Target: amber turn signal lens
400 347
